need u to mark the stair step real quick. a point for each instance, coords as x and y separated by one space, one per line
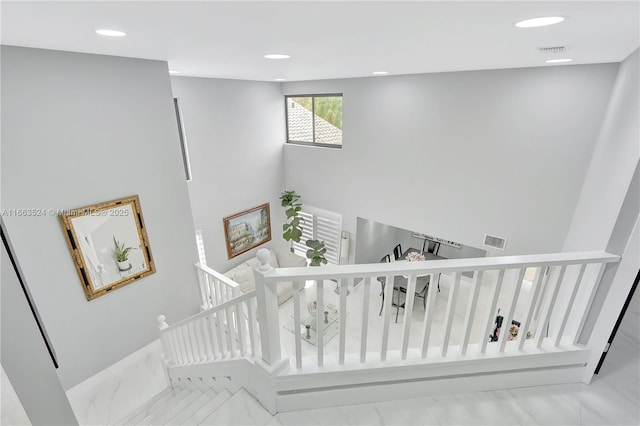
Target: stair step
189 411
177 408
206 410
240 409
141 412
168 405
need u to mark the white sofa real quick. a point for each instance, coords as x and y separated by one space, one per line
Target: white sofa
244 276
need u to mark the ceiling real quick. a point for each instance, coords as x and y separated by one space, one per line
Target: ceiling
327 39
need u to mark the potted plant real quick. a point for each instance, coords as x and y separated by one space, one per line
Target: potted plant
316 252
122 255
292 229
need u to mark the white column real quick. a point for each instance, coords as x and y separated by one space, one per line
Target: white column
267 298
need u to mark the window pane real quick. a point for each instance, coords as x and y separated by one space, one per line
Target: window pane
328 119
300 119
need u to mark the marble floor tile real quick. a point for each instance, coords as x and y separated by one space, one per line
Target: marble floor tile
241 410
361 414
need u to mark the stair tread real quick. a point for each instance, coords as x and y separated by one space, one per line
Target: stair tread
177 408
136 415
165 407
192 408
206 410
240 409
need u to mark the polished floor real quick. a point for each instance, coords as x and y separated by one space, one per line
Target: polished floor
612 398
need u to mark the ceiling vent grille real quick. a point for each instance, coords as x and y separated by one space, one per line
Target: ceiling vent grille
552 50
495 241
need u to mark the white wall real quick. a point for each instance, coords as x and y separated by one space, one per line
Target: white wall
79 129
26 359
460 154
235 134
608 208
614 161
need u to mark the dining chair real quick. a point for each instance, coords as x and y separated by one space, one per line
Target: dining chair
400 287
385 259
397 252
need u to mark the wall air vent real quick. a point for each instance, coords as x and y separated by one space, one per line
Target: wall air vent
495 241
552 49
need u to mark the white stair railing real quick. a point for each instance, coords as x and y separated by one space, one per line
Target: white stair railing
551 279
225 332
215 288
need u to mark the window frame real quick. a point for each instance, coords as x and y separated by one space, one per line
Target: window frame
313 115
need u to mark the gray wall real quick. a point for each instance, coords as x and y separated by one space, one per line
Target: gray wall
79 129
235 134
25 357
460 154
607 210
374 240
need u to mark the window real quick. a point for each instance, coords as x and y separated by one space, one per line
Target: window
320 225
315 120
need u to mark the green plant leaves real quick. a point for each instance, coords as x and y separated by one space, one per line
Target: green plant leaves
316 252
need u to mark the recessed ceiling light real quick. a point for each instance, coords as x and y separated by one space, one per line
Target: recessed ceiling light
380 72
279 79
557 61
539 22
111 33
174 72
277 56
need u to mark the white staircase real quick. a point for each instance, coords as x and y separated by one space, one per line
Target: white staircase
180 407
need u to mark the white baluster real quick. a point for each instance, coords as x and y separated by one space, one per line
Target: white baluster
492 312
231 333
450 313
550 306
211 328
408 313
252 332
428 315
184 345
592 295
388 303
240 324
343 318
297 323
222 343
537 291
543 293
176 348
193 341
471 309
365 318
567 311
506 324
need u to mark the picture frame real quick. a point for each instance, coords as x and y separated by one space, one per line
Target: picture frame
109 244
247 229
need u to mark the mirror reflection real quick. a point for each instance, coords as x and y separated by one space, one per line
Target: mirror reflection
108 241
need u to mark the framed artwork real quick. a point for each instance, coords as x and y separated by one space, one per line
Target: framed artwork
247 229
109 245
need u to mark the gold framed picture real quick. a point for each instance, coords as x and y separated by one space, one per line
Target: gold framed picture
109 244
247 229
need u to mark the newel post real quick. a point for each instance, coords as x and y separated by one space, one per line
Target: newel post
267 300
166 352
